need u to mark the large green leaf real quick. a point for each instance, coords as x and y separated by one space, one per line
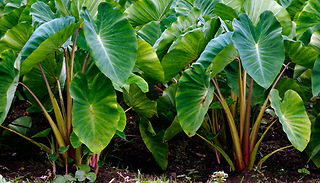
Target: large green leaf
155 144
10 20
150 32
41 13
143 85
95 113
167 102
315 79
213 48
62 7
225 12
295 7
261 48
144 11
299 54
206 6
136 99
112 42
148 62
46 39
255 8
308 17
177 28
185 52
172 130
21 125
194 95
16 37
9 78
286 83
293 117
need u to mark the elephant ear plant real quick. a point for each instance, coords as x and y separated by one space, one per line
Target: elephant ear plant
69 61
248 56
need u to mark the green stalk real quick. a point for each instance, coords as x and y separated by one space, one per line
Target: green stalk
233 129
60 120
255 149
270 154
62 102
223 153
69 99
256 126
54 127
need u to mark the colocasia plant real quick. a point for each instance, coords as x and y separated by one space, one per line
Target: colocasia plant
206 67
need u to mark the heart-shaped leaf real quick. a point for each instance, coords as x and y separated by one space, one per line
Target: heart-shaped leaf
206 6
261 48
46 39
41 13
90 108
293 117
92 5
150 32
194 95
112 42
9 78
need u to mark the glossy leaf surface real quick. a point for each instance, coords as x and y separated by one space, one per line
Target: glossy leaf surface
293 117
194 95
112 42
45 40
90 108
261 48
315 79
308 17
9 77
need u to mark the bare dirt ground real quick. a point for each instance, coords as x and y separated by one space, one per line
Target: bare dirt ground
190 159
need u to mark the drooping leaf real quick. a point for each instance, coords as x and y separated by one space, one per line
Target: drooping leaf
293 117
46 39
21 125
74 140
308 17
136 99
90 108
43 133
150 32
194 95
299 54
315 79
143 85
254 9
185 52
112 42
224 58
122 120
9 78
16 37
168 99
261 48
148 62
295 7
154 143
175 30
213 48
144 11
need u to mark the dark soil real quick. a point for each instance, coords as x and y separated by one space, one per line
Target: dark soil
189 158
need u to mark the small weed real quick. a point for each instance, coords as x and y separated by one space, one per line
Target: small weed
218 177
